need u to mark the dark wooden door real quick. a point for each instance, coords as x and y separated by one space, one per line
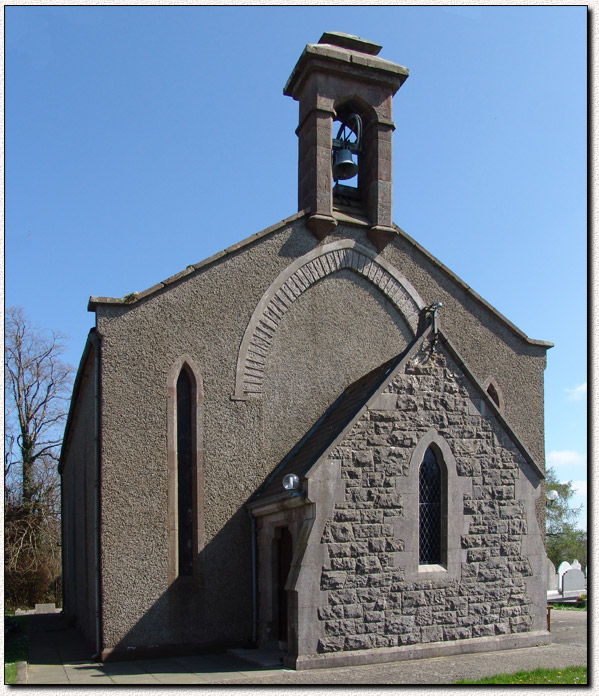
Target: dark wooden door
285 554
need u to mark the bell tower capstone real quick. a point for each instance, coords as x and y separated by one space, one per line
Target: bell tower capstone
334 80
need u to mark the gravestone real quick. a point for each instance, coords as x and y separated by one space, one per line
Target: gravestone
561 569
572 580
576 564
551 576
49 608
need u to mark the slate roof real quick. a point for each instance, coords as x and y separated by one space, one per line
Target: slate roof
80 378
331 424
345 411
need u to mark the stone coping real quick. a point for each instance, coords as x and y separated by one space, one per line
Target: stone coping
95 301
135 297
330 57
353 43
448 272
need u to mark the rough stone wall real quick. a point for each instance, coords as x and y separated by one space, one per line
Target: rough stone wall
204 315
489 347
376 596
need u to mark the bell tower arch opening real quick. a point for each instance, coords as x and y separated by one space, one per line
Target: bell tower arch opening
341 78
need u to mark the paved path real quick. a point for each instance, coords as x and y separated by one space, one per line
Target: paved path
58 656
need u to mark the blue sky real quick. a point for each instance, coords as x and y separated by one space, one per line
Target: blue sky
139 140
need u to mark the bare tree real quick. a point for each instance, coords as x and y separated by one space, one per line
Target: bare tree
37 389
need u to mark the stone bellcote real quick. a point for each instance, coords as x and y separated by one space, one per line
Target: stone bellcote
334 78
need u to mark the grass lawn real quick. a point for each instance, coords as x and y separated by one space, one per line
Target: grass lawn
578 606
568 675
16 647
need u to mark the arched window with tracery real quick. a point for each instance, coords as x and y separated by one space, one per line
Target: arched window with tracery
431 510
436 523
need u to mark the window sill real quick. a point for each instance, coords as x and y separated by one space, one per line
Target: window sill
432 568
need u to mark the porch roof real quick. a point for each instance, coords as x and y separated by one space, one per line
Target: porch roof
347 408
324 432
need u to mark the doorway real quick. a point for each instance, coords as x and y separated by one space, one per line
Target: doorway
282 566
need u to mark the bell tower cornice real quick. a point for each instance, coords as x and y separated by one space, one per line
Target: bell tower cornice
337 79
347 55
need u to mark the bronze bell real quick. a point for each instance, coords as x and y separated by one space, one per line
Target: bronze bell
344 166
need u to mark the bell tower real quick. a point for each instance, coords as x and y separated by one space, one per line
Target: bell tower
345 94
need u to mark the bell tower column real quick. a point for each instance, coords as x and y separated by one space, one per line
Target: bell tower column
315 176
339 76
379 191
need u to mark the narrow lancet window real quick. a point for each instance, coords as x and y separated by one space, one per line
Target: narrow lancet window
430 510
492 392
185 472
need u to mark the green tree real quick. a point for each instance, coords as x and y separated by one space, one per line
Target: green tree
564 541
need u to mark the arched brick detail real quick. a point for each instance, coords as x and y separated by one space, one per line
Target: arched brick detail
299 277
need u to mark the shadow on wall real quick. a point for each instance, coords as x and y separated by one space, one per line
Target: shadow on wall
196 614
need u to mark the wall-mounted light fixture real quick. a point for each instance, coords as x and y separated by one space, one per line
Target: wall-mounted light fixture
291 483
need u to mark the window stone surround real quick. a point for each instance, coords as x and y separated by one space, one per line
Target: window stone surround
185 362
456 488
491 382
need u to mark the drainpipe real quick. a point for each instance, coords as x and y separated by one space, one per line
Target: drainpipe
254 580
62 544
97 443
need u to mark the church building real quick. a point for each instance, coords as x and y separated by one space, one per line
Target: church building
319 440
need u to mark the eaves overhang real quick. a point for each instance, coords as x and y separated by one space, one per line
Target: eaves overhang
82 374
130 301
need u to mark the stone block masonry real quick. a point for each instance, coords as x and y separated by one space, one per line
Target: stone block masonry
376 594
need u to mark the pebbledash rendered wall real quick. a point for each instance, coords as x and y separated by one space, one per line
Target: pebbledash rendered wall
78 478
337 330
373 595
